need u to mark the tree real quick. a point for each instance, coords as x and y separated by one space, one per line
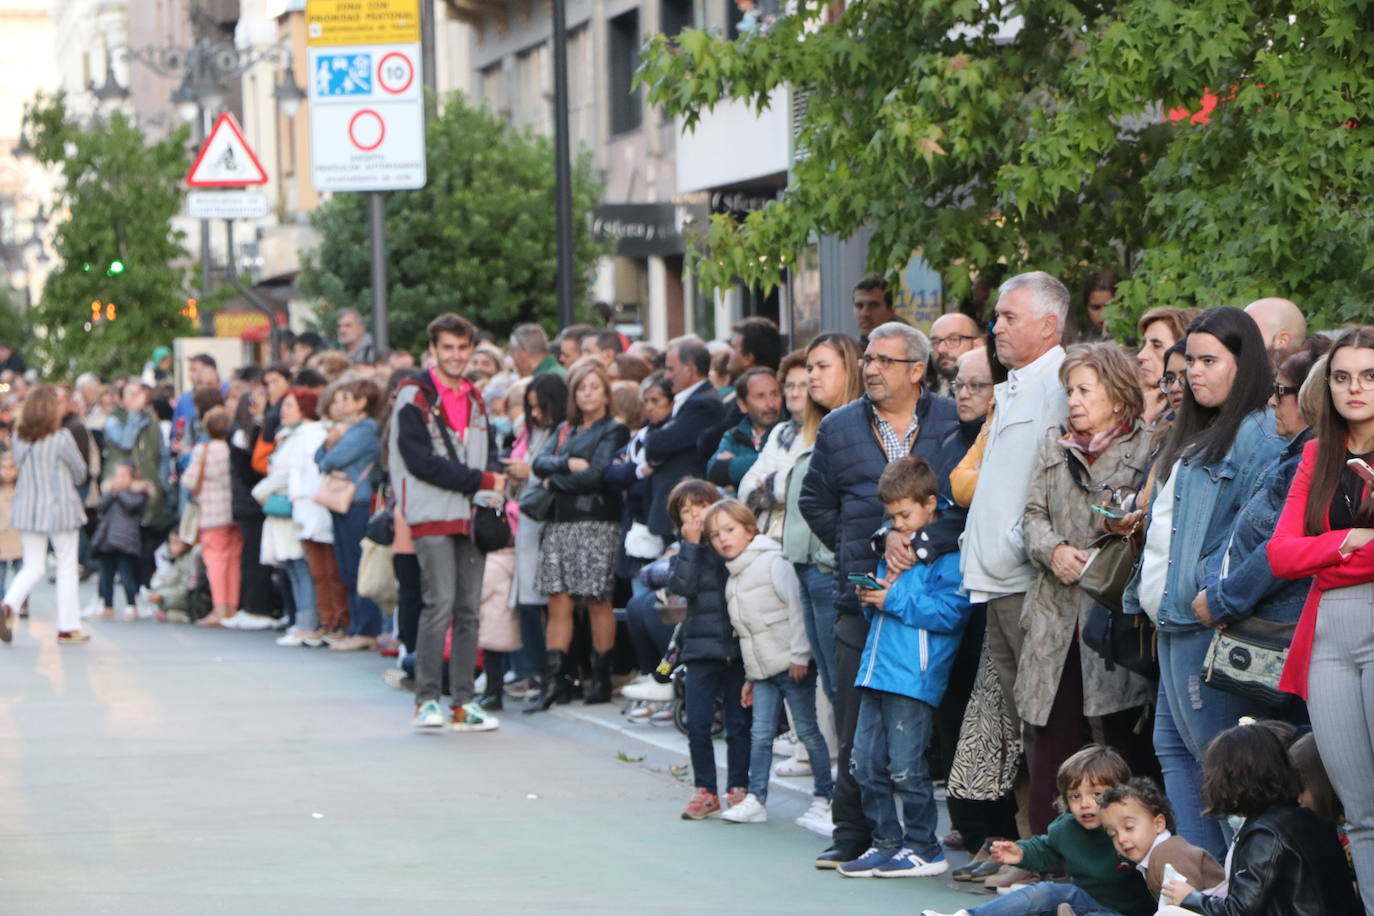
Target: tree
1043 143
478 239
120 258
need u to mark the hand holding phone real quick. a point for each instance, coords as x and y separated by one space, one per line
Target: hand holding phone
865 581
1362 470
1110 511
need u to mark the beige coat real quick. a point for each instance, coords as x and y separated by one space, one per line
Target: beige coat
1057 511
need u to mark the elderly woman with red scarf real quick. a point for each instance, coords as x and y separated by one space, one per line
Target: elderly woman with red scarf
1065 693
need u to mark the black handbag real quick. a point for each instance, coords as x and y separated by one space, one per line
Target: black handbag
1122 639
536 504
490 528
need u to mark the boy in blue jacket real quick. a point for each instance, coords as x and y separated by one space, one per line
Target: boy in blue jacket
915 622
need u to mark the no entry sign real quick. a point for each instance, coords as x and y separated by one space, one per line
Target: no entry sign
367 120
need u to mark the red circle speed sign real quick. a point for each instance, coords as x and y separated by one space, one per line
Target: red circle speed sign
395 73
366 130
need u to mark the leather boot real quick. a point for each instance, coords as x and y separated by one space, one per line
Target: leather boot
599 685
556 687
493 696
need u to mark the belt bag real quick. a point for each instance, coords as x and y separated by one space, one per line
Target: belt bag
1246 658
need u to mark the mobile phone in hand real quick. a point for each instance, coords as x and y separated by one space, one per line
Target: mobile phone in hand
865 581
1361 469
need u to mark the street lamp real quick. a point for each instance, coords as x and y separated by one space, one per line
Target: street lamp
110 94
288 93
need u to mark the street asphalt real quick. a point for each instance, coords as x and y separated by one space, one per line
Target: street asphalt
161 769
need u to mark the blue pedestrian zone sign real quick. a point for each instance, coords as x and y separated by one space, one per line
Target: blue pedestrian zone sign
343 74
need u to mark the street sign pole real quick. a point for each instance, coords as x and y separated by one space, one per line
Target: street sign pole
562 168
376 207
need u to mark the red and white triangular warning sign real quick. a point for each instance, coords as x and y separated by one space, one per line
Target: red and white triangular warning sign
226 160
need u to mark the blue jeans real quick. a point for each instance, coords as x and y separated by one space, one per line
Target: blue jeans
889 763
1189 715
364 617
126 565
818 612
649 634
801 701
707 681
530 660
1042 900
303 594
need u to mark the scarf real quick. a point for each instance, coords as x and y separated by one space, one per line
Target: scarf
1091 446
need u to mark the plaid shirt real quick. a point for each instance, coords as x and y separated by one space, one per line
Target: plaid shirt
892 443
216 494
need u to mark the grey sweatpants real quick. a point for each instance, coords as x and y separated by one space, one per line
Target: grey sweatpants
450 591
1340 698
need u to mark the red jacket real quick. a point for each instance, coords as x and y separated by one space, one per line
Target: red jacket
1295 555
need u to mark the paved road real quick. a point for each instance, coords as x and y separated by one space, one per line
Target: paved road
163 769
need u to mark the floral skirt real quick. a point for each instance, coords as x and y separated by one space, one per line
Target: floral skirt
578 558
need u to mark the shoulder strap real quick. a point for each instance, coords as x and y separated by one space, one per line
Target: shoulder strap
437 411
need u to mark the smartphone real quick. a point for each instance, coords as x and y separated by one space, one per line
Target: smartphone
1109 511
1361 469
866 581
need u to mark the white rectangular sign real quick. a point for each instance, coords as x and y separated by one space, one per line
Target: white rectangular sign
367 118
226 205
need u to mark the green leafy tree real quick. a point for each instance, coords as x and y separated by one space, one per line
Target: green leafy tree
116 244
1049 147
478 239
14 329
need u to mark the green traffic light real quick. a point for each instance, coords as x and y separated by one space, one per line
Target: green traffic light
116 267
86 266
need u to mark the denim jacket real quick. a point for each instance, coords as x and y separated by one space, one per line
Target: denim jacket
1207 499
1244 585
356 455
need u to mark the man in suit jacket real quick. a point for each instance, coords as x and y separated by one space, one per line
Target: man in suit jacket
671 450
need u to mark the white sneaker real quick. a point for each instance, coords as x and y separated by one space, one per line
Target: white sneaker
793 767
652 692
281 623
93 609
786 745
294 638
749 811
429 715
231 622
246 621
817 818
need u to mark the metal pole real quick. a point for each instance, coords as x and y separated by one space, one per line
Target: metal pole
376 201
232 272
562 166
206 319
428 55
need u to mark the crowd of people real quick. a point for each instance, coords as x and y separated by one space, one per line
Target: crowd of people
1118 600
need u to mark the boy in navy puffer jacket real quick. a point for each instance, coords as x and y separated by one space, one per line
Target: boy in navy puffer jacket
710 652
916 619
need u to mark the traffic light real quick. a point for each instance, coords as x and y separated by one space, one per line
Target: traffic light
115 269
110 313
96 307
191 311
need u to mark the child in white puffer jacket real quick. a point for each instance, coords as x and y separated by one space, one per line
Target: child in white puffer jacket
763 596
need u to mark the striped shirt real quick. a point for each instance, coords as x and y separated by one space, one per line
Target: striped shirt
45 497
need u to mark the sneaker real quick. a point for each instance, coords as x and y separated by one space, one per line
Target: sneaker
246 621
663 716
281 623
817 817
786 745
834 857
429 714
301 638
735 796
231 622
130 614
520 689
703 805
471 717
906 864
1008 875
748 811
72 637
793 767
865 865
398 679
650 692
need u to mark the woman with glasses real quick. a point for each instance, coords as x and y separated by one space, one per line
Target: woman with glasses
1065 694
1325 531
1221 443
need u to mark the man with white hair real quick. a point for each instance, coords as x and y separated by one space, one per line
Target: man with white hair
1032 309
1282 325
354 339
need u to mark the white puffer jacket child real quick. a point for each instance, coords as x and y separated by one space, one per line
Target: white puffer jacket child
763 595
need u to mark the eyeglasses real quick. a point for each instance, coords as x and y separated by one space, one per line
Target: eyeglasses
796 386
1343 379
956 388
1168 381
884 362
952 339
1281 391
